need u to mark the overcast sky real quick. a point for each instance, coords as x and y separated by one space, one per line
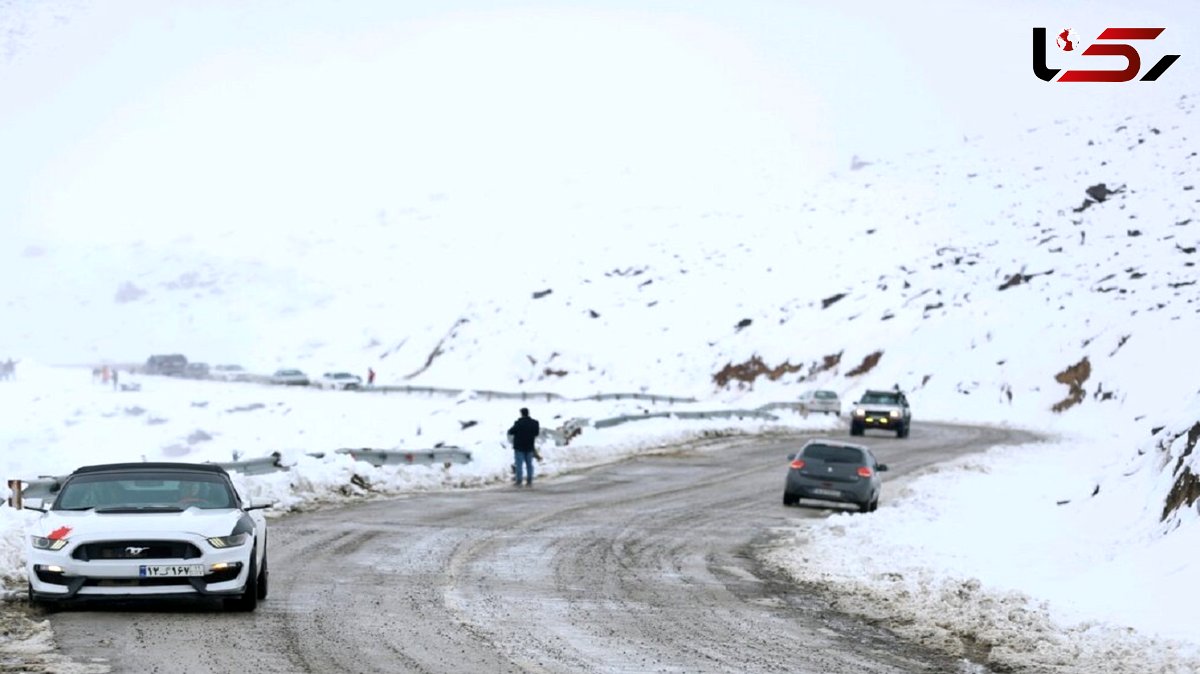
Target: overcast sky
151 120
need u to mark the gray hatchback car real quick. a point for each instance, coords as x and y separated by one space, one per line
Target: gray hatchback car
825 470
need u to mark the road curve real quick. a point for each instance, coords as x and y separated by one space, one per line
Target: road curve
646 565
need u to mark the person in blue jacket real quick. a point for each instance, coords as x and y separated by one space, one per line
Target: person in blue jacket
523 434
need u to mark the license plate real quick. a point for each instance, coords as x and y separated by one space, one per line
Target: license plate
827 492
170 570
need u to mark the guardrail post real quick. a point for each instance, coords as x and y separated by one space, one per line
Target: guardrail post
15 500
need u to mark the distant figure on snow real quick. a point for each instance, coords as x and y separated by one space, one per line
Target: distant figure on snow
523 434
370 376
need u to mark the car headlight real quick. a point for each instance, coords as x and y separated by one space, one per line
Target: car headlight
43 543
894 413
860 412
230 541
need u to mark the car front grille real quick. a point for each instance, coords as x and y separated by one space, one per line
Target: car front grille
136 582
136 550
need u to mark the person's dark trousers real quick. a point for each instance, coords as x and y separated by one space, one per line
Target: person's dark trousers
523 465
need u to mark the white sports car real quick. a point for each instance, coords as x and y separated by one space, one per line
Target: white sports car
148 530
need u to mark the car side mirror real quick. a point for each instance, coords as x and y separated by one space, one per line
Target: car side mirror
792 456
881 467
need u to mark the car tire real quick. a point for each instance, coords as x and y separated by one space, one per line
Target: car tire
790 499
864 507
874 505
855 429
45 606
902 431
248 600
263 577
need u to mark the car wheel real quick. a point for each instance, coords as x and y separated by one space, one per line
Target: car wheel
45 606
902 431
855 429
263 576
874 505
790 499
248 600
864 507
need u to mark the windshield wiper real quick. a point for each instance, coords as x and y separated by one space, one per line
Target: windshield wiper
77 509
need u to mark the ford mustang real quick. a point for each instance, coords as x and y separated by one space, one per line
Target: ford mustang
146 531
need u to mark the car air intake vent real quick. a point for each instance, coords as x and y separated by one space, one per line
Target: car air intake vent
136 550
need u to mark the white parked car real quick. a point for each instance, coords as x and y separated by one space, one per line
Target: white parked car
826 402
289 378
146 531
229 373
343 381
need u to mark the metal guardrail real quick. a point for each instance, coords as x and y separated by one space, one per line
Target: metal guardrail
486 394
525 395
405 457
715 414
260 466
44 487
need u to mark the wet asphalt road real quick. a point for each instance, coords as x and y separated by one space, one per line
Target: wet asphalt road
647 565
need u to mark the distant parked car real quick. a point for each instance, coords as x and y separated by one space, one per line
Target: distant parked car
339 380
290 378
230 373
887 410
172 364
826 402
196 371
826 470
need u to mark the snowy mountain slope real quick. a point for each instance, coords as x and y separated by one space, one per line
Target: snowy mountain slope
997 249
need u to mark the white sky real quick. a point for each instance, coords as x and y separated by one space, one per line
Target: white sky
151 120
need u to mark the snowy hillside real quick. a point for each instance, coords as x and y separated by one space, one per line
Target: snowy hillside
1072 246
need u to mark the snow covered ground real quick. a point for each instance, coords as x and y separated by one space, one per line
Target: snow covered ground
1040 275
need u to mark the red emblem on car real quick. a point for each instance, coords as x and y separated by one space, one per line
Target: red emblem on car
59 533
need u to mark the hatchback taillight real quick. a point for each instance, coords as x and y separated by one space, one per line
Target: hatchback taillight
864 471
798 464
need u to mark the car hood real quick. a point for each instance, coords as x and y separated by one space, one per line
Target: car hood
87 524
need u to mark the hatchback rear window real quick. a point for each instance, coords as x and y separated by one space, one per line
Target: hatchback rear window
832 454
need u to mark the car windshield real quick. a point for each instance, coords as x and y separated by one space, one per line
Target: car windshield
878 398
108 492
833 454
826 395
